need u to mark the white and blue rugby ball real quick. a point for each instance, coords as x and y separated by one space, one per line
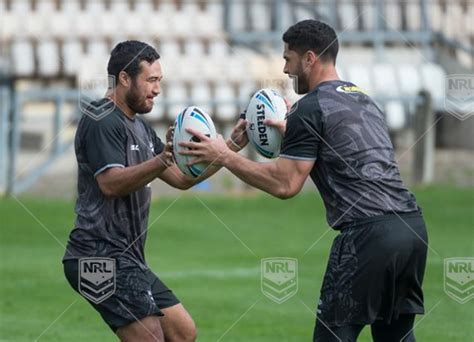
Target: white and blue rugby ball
265 104
196 119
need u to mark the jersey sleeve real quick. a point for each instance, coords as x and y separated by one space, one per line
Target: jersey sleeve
303 133
105 146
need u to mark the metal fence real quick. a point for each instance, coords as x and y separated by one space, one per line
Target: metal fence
4 129
10 149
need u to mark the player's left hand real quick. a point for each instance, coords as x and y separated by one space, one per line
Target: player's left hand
208 150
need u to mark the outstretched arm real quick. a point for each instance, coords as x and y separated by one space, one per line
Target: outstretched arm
283 178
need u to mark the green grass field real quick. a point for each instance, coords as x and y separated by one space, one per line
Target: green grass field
193 248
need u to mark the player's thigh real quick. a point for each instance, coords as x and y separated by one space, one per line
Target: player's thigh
147 329
131 301
177 324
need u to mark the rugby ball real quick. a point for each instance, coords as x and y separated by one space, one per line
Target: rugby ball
196 119
265 104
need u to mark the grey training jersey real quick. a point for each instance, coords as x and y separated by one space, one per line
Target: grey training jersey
341 128
111 227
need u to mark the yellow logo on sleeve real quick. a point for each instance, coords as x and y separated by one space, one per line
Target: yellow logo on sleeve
349 89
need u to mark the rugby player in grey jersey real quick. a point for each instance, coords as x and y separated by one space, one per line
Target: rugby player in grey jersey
338 136
118 155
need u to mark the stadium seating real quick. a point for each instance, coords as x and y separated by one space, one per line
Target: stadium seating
225 94
409 79
246 90
201 95
73 38
176 93
385 80
48 58
347 17
395 115
433 79
22 58
158 110
71 56
360 74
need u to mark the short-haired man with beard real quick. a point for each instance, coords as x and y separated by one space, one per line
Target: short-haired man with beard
338 136
118 155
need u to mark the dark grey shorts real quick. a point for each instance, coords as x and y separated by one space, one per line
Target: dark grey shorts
375 271
139 293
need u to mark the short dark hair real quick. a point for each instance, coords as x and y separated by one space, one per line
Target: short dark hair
128 55
313 35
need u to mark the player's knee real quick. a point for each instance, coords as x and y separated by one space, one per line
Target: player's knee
188 333
145 335
192 335
153 335
146 330
178 325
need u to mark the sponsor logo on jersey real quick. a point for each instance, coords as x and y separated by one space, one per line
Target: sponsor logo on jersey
349 89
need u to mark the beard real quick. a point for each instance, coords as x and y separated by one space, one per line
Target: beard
301 82
303 86
137 101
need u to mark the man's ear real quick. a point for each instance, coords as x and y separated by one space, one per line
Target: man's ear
311 57
124 79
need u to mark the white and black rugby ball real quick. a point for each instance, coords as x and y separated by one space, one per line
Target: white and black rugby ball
265 104
196 119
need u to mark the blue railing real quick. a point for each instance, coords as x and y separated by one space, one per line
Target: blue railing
15 184
4 129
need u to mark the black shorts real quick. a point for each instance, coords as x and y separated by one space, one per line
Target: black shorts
375 271
138 293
